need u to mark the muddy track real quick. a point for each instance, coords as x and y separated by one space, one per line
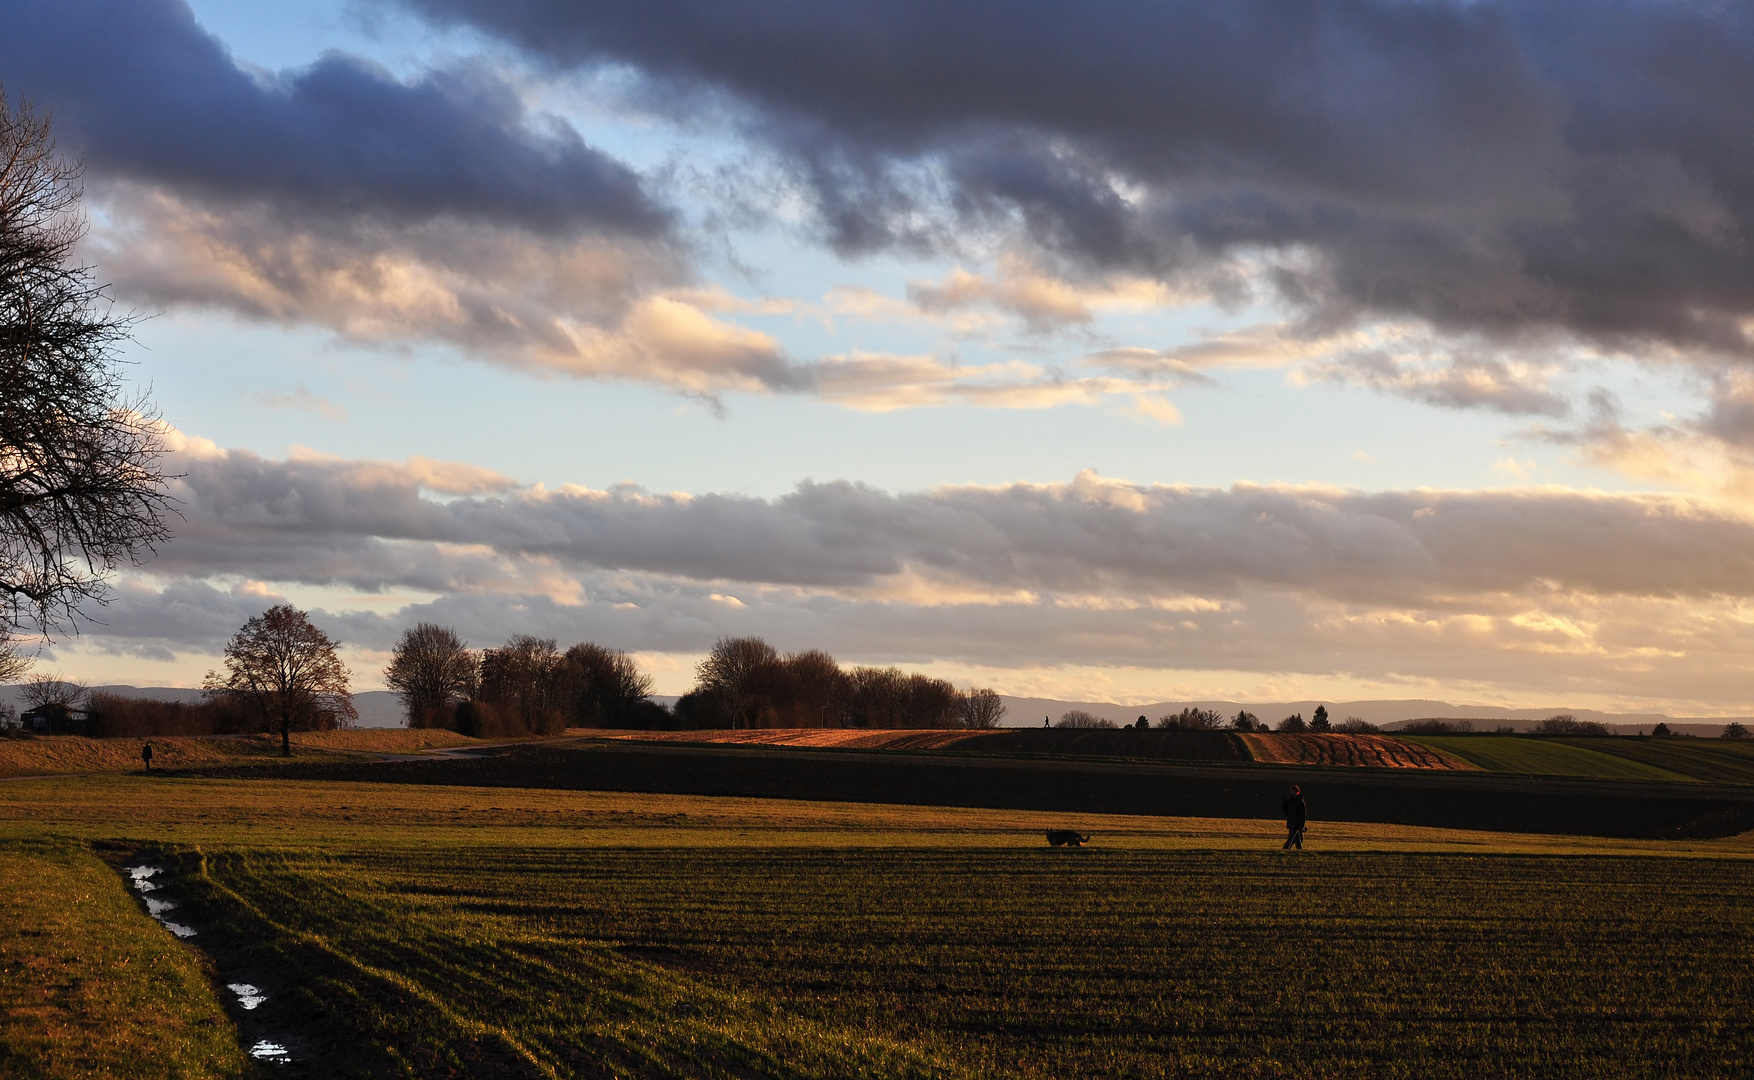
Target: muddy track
1374 751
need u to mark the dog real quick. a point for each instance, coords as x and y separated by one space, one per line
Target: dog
1066 838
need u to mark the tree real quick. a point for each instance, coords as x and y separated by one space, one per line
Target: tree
1567 724
1318 720
525 676
1735 729
982 708
81 491
1078 718
737 675
1192 719
282 668
1246 721
1661 731
432 670
605 685
1293 723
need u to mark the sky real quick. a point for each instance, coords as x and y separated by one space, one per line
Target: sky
1128 351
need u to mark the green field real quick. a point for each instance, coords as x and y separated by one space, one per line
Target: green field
409 930
1548 757
1714 761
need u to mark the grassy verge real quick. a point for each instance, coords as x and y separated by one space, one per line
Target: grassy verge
89 986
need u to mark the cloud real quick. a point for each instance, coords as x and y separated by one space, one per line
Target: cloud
1458 380
1488 168
145 94
369 525
1523 592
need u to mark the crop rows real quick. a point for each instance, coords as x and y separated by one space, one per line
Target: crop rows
1028 963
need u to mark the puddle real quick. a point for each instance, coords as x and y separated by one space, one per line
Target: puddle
141 878
249 996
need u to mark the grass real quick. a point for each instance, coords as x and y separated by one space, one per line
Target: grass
89 986
1714 761
431 931
1546 757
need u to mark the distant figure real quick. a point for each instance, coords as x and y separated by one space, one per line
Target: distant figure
1295 817
1044 722
1067 838
146 755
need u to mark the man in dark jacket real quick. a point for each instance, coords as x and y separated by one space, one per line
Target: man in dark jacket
1295 816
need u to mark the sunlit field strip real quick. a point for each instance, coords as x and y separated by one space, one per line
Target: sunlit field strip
189 810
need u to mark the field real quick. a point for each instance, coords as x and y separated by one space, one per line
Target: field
1609 758
54 754
436 930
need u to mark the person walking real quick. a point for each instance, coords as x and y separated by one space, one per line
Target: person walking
1295 817
146 756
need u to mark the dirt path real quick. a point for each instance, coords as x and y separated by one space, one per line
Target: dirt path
1379 751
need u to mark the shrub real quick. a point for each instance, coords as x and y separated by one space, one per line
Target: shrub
1191 719
1437 727
1567 724
1078 718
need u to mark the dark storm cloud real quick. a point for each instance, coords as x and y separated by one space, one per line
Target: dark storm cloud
145 94
1491 166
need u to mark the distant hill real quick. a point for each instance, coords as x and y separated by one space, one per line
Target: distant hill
1028 712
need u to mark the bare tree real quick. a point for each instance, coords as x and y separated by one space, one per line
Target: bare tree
604 685
982 708
1078 718
81 490
431 670
1192 719
282 668
526 676
737 674
52 689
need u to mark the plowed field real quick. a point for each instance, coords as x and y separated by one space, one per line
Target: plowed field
829 738
1379 751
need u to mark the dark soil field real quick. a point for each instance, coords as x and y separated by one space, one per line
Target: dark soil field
1399 796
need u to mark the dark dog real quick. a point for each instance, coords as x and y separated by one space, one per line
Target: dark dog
1066 838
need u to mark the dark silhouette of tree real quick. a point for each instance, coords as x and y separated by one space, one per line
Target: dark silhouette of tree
1293 723
737 675
1081 720
1567 724
1246 721
1192 719
982 708
280 667
1318 720
1661 731
605 686
525 679
1735 729
1355 725
80 487
432 670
